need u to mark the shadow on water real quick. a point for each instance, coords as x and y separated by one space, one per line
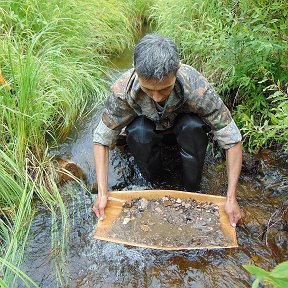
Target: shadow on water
88 262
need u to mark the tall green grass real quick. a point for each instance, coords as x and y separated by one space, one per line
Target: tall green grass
19 185
54 55
236 44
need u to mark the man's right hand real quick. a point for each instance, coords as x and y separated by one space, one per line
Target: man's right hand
99 206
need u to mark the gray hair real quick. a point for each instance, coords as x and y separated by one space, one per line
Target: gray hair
155 57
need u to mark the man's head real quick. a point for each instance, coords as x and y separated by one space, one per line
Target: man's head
155 57
156 61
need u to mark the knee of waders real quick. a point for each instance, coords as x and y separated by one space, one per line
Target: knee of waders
141 130
191 131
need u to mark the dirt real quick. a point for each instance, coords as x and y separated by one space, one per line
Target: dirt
169 222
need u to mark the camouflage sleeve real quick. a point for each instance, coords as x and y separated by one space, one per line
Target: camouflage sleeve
218 117
117 114
228 136
104 135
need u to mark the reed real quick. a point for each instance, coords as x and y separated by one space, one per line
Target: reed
54 55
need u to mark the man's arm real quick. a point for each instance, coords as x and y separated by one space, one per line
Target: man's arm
234 164
101 154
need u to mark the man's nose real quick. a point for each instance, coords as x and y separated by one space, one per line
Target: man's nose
157 96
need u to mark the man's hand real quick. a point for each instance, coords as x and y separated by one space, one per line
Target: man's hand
99 206
234 212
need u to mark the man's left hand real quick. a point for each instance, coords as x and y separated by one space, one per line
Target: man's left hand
234 212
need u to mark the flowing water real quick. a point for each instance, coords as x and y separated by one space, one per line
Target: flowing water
262 237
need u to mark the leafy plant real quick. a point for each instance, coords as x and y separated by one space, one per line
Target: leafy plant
278 277
271 126
233 43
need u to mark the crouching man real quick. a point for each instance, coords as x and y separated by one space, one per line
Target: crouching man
162 95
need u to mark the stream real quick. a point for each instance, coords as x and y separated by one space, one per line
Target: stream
262 237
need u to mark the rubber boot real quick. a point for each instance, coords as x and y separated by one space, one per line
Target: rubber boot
144 144
191 135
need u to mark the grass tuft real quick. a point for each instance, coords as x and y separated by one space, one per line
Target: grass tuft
53 59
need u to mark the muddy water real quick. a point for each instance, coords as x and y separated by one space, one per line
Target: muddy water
262 237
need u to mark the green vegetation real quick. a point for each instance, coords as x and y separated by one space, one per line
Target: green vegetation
241 47
278 277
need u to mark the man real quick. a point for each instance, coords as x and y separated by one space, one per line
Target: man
161 95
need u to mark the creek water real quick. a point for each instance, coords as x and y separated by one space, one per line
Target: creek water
262 236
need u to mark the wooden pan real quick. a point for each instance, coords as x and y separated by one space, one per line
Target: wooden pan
117 198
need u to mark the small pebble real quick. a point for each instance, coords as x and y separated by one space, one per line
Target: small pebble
144 203
158 209
145 228
126 221
167 203
128 204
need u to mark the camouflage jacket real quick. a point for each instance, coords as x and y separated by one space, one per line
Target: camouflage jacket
192 93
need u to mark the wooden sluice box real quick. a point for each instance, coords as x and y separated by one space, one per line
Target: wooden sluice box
105 229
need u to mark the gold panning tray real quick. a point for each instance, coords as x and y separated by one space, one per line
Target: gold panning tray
114 207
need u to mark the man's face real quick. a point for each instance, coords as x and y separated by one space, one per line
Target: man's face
158 90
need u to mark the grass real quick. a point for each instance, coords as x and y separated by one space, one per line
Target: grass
54 55
27 281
